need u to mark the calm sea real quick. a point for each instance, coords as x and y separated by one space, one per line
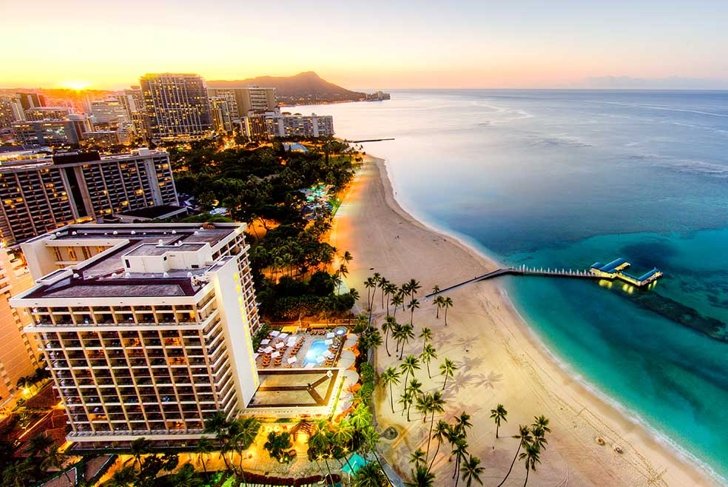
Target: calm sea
567 178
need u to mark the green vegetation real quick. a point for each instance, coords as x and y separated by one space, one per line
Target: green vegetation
288 198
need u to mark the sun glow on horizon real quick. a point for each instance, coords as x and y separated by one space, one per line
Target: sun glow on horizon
76 85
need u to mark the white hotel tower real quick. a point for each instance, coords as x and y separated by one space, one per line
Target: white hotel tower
146 328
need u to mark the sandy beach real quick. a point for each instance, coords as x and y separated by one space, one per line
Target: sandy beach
499 359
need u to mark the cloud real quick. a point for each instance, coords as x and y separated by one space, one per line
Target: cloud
669 83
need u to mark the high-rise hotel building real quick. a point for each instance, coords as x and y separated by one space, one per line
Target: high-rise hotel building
245 99
18 353
150 332
175 106
40 195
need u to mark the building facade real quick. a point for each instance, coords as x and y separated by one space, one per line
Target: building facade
175 107
222 113
40 195
245 99
37 114
279 124
51 133
19 353
150 332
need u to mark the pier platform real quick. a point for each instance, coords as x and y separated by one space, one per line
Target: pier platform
614 270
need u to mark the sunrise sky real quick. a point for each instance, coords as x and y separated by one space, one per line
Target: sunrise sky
372 44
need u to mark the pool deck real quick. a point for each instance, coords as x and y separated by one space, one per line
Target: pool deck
278 349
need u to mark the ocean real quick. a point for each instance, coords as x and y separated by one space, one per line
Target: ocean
565 178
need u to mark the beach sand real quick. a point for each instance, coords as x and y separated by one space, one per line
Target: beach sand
499 359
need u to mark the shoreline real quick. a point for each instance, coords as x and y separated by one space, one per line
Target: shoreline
518 353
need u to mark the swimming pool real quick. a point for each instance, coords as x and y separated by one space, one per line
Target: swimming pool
315 353
355 462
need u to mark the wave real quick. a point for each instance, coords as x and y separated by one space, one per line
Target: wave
685 166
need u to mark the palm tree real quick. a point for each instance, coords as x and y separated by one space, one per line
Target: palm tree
498 414
413 286
459 451
369 284
524 439
415 390
354 294
370 475
412 306
434 404
123 477
139 448
435 289
277 444
55 459
446 303
542 423
447 369
426 335
438 303
390 377
417 458
390 291
410 364
388 325
370 340
532 455
406 333
472 471
422 477
442 431
202 448
343 435
186 476
397 301
427 355
462 424
406 401
383 289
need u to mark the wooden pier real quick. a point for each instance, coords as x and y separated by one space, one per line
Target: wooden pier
594 273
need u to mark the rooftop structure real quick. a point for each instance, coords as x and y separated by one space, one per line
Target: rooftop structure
146 328
40 195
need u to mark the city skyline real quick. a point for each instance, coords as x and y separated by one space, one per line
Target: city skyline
644 44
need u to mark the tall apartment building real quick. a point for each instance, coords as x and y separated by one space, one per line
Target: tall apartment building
245 99
19 352
40 195
109 112
149 333
175 107
51 133
10 111
31 100
37 114
222 113
279 124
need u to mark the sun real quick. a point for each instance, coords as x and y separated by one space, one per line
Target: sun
76 85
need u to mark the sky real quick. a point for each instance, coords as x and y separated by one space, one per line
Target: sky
374 44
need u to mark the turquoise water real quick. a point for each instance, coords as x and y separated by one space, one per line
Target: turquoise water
567 178
356 461
315 353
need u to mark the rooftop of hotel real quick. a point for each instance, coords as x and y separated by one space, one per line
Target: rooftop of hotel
109 274
25 160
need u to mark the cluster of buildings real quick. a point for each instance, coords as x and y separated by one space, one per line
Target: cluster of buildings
146 328
164 107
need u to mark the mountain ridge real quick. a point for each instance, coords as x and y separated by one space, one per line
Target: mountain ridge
303 88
